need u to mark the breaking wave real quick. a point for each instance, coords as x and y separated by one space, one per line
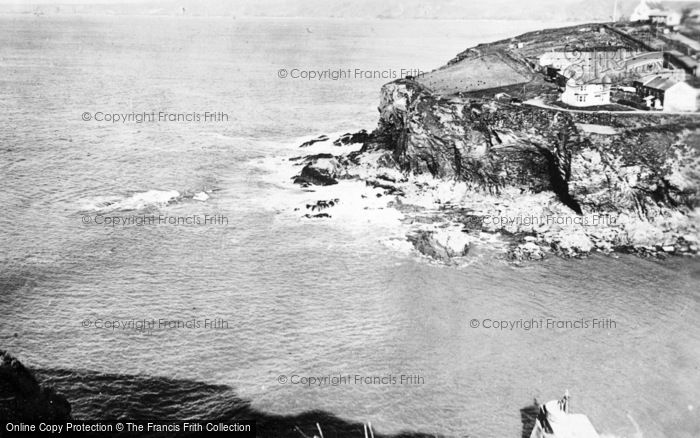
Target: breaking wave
137 201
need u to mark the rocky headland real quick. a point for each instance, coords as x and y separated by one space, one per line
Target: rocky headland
482 162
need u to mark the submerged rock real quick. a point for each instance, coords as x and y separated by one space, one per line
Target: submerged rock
323 204
574 244
526 251
318 139
389 188
358 137
311 158
441 245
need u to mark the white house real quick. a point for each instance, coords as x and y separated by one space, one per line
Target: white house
681 97
656 13
586 94
668 93
641 12
666 18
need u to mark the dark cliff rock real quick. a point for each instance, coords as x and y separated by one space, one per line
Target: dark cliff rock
477 138
492 144
22 399
320 172
350 138
318 139
440 245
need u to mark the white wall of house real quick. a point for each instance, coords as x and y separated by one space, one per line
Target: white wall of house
586 94
681 98
668 18
641 12
673 18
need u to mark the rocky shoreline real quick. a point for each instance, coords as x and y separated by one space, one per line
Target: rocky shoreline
466 165
445 217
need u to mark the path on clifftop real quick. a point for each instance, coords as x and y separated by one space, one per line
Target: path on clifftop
539 103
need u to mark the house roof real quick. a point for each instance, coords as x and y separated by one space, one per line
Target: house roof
587 80
660 83
646 9
687 60
662 13
672 5
676 5
663 84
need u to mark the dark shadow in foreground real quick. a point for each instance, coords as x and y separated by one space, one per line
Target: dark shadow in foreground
528 416
112 397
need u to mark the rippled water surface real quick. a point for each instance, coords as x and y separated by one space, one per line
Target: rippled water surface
300 298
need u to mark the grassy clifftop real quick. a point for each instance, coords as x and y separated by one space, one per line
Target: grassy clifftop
510 64
640 167
453 154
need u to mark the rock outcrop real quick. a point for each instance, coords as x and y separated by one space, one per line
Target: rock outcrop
442 245
597 181
649 162
320 172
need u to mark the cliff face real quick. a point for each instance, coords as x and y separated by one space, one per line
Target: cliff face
508 164
22 399
638 163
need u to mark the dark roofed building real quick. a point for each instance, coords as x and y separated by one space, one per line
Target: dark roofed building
687 63
668 94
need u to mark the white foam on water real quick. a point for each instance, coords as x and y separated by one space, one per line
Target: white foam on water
366 210
98 203
137 201
358 207
323 146
201 196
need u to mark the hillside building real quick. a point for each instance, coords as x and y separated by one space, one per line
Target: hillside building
617 63
666 13
665 18
668 94
681 61
583 93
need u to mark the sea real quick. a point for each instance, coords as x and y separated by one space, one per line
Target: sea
145 239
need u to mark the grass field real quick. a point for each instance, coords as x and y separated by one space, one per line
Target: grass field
491 70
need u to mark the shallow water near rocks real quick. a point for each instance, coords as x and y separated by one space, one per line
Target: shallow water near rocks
306 298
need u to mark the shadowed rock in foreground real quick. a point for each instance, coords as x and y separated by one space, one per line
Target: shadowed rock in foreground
119 397
22 399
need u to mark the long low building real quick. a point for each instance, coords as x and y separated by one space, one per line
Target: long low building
687 63
668 94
